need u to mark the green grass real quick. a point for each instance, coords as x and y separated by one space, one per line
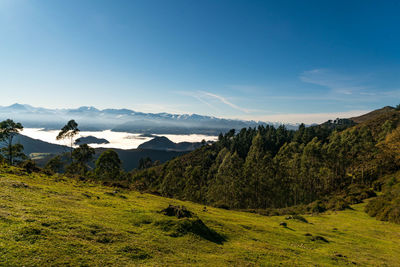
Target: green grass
55 221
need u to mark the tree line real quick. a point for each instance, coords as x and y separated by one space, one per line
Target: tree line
255 168
268 167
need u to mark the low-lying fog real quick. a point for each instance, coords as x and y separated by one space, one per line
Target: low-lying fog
120 140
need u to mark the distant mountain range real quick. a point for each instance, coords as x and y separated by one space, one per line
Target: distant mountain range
124 120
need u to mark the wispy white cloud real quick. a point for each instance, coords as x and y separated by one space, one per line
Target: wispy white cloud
204 97
226 102
337 82
205 102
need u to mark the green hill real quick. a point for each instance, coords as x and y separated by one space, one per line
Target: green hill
275 168
53 221
382 112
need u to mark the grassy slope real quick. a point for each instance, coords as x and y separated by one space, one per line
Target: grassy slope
54 221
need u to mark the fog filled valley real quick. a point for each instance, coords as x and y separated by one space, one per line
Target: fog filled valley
121 140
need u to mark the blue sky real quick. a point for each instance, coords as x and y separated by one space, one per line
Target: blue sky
263 60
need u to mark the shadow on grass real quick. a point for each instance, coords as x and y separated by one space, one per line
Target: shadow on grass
177 228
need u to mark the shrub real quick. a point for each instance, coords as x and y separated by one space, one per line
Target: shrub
55 165
375 206
177 228
316 207
29 166
177 211
108 165
337 204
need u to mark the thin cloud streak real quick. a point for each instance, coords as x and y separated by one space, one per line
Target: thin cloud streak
202 97
339 83
226 101
205 102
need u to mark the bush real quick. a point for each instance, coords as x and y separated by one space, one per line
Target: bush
29 166
376 206
55 165
108 166
386 207
177 211
337 204
177 228
316 207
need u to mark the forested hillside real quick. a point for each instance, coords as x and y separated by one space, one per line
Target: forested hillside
259 168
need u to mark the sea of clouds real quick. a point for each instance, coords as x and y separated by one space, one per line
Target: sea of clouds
121 140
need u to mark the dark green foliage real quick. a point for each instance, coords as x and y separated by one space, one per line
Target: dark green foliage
355 194
177 228
14 154
337 203
108 166
75 168
275 169
386 207
82 156
145 163
187 223
8 130
2 160
55 164
316 207
177 211
29 166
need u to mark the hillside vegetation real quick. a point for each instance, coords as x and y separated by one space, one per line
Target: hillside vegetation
328 166
54 220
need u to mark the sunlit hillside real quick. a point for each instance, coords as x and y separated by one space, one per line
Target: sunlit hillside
54 220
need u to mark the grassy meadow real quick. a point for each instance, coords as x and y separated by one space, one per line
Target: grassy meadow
53 221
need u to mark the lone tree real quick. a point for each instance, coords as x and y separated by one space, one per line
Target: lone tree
108 165
82 156
55 164
69 131
8 130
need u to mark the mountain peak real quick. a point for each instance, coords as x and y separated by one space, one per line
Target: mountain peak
374 114
18 106
87 108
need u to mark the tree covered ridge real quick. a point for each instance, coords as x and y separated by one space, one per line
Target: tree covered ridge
272 167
